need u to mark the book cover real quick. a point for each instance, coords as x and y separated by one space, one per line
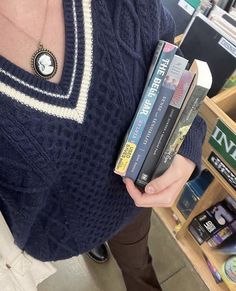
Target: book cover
168 88
146 104
222 235
228 246
166 127
196 94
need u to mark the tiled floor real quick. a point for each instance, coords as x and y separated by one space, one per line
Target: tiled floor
173 269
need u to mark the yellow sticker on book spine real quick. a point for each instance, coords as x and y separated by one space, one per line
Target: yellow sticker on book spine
125 158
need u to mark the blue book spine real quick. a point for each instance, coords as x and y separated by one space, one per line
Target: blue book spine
148 99
170 83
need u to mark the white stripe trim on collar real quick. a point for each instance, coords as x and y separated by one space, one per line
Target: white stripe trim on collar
78 112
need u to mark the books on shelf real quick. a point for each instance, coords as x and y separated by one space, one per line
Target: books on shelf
182 12
212 40
169 104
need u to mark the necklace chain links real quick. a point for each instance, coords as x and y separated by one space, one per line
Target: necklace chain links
43 61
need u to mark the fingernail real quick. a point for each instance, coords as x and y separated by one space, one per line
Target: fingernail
150 189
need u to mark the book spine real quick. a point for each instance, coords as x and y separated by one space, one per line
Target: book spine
186 119
147 101
220 236
155 59
164 132
168 88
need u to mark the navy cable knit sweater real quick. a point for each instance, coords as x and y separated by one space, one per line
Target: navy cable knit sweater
59 142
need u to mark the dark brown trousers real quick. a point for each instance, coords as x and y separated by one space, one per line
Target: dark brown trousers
130 250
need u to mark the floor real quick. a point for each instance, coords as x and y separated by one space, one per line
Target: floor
173 269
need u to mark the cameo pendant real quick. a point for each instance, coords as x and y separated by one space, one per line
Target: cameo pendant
44 63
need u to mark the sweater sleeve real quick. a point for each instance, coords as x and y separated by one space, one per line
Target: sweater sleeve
192 145
167 24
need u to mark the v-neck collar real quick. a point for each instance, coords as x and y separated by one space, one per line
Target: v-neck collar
68 98
74 42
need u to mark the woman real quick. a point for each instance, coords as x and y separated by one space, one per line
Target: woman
60 133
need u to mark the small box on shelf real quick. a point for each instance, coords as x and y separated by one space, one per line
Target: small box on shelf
192 193
211 221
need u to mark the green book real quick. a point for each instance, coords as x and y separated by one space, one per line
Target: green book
194 3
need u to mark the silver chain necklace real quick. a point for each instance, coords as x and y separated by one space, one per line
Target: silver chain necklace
43 61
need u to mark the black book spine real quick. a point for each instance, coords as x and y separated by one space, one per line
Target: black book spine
157 147
167 124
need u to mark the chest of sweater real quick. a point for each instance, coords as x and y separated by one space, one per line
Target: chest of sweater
59 142
81 121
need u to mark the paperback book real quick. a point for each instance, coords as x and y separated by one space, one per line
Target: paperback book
162 61
166 127
160 107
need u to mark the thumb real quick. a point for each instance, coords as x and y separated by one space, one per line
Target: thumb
164 181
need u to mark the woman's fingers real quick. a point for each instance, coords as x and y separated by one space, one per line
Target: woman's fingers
162 191
164 198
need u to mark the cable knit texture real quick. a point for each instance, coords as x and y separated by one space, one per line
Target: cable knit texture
59 142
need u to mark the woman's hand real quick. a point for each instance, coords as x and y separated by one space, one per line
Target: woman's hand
163 191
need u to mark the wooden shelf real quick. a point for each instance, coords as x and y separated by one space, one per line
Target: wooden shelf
192 250
213 194
219 178
217 260
178 213
221 107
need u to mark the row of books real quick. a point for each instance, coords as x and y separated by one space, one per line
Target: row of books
217 226
184 10
213 39
226 5
168 106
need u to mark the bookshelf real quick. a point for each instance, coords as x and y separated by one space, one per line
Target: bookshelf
221 107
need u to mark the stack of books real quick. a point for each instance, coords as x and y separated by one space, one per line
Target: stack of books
168 106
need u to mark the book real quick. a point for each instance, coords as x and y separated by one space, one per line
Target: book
168 88
198 232
228 246
225 25
156 77
192 192
206 41
166 126
222 235
196 94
